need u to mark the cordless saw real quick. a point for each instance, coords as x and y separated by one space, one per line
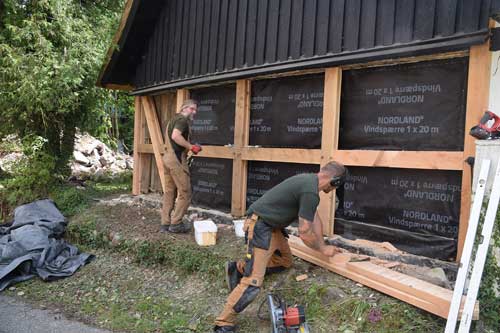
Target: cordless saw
286 319
488 127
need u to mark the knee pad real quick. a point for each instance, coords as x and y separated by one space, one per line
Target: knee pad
246 298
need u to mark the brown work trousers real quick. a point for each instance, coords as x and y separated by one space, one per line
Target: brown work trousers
177 195
278 256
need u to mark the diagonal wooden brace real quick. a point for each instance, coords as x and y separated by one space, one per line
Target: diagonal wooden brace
156 136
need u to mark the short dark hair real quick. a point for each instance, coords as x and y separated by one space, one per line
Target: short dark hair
333 169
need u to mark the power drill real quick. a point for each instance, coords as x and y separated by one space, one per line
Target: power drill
286 319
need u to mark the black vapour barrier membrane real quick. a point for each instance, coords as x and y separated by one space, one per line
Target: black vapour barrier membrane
416 210
211 181
287 112
213 124
418 106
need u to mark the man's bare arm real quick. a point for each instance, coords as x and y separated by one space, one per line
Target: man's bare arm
311 234
307 234
179 139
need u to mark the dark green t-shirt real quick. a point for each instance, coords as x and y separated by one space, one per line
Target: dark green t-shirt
295 197
182 124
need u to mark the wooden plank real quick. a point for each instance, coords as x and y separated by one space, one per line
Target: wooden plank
379 281
421 289
302 251
145 159
145 148
478 88
156 136
290 155
241 135
155 175
136 176
217 152
208 151
182 95
329 141
438 160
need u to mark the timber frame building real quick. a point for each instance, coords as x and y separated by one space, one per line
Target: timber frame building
394 87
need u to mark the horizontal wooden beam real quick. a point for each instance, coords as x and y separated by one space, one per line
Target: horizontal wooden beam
416 292
290 155
217 152
208 151
439 160
145 148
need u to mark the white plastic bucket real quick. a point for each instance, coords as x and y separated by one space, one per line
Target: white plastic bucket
238 228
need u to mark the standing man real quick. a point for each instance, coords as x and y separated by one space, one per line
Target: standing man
267 247
177 181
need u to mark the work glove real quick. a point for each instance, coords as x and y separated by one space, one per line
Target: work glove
196 148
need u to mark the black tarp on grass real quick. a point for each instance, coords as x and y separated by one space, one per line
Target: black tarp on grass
31 246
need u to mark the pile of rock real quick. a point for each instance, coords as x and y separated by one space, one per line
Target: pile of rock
93 159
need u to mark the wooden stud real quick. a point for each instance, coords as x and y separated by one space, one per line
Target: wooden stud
146 159
156 136
138 139
478 88
437 160
307 156
241 136
182 95
329 141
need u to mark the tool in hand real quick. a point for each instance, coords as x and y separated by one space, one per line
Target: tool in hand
196 148
286 319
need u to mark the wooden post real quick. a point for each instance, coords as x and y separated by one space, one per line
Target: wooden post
241 136
478 88
156 136
329 141
182 95
138 140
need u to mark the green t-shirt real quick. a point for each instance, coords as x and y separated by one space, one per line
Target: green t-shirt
295 197
182 124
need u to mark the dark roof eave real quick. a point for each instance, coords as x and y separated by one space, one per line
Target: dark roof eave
396 50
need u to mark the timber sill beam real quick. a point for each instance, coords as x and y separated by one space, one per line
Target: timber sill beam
421 294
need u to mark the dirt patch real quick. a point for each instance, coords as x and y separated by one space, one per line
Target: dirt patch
117 292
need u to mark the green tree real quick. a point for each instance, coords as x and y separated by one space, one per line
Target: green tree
51 52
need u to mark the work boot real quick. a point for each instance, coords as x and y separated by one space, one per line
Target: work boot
180 228
224 329
233 276
164 227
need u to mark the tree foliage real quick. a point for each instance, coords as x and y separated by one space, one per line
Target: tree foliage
51 52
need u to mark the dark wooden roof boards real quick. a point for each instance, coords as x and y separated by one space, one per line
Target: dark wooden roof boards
178 43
